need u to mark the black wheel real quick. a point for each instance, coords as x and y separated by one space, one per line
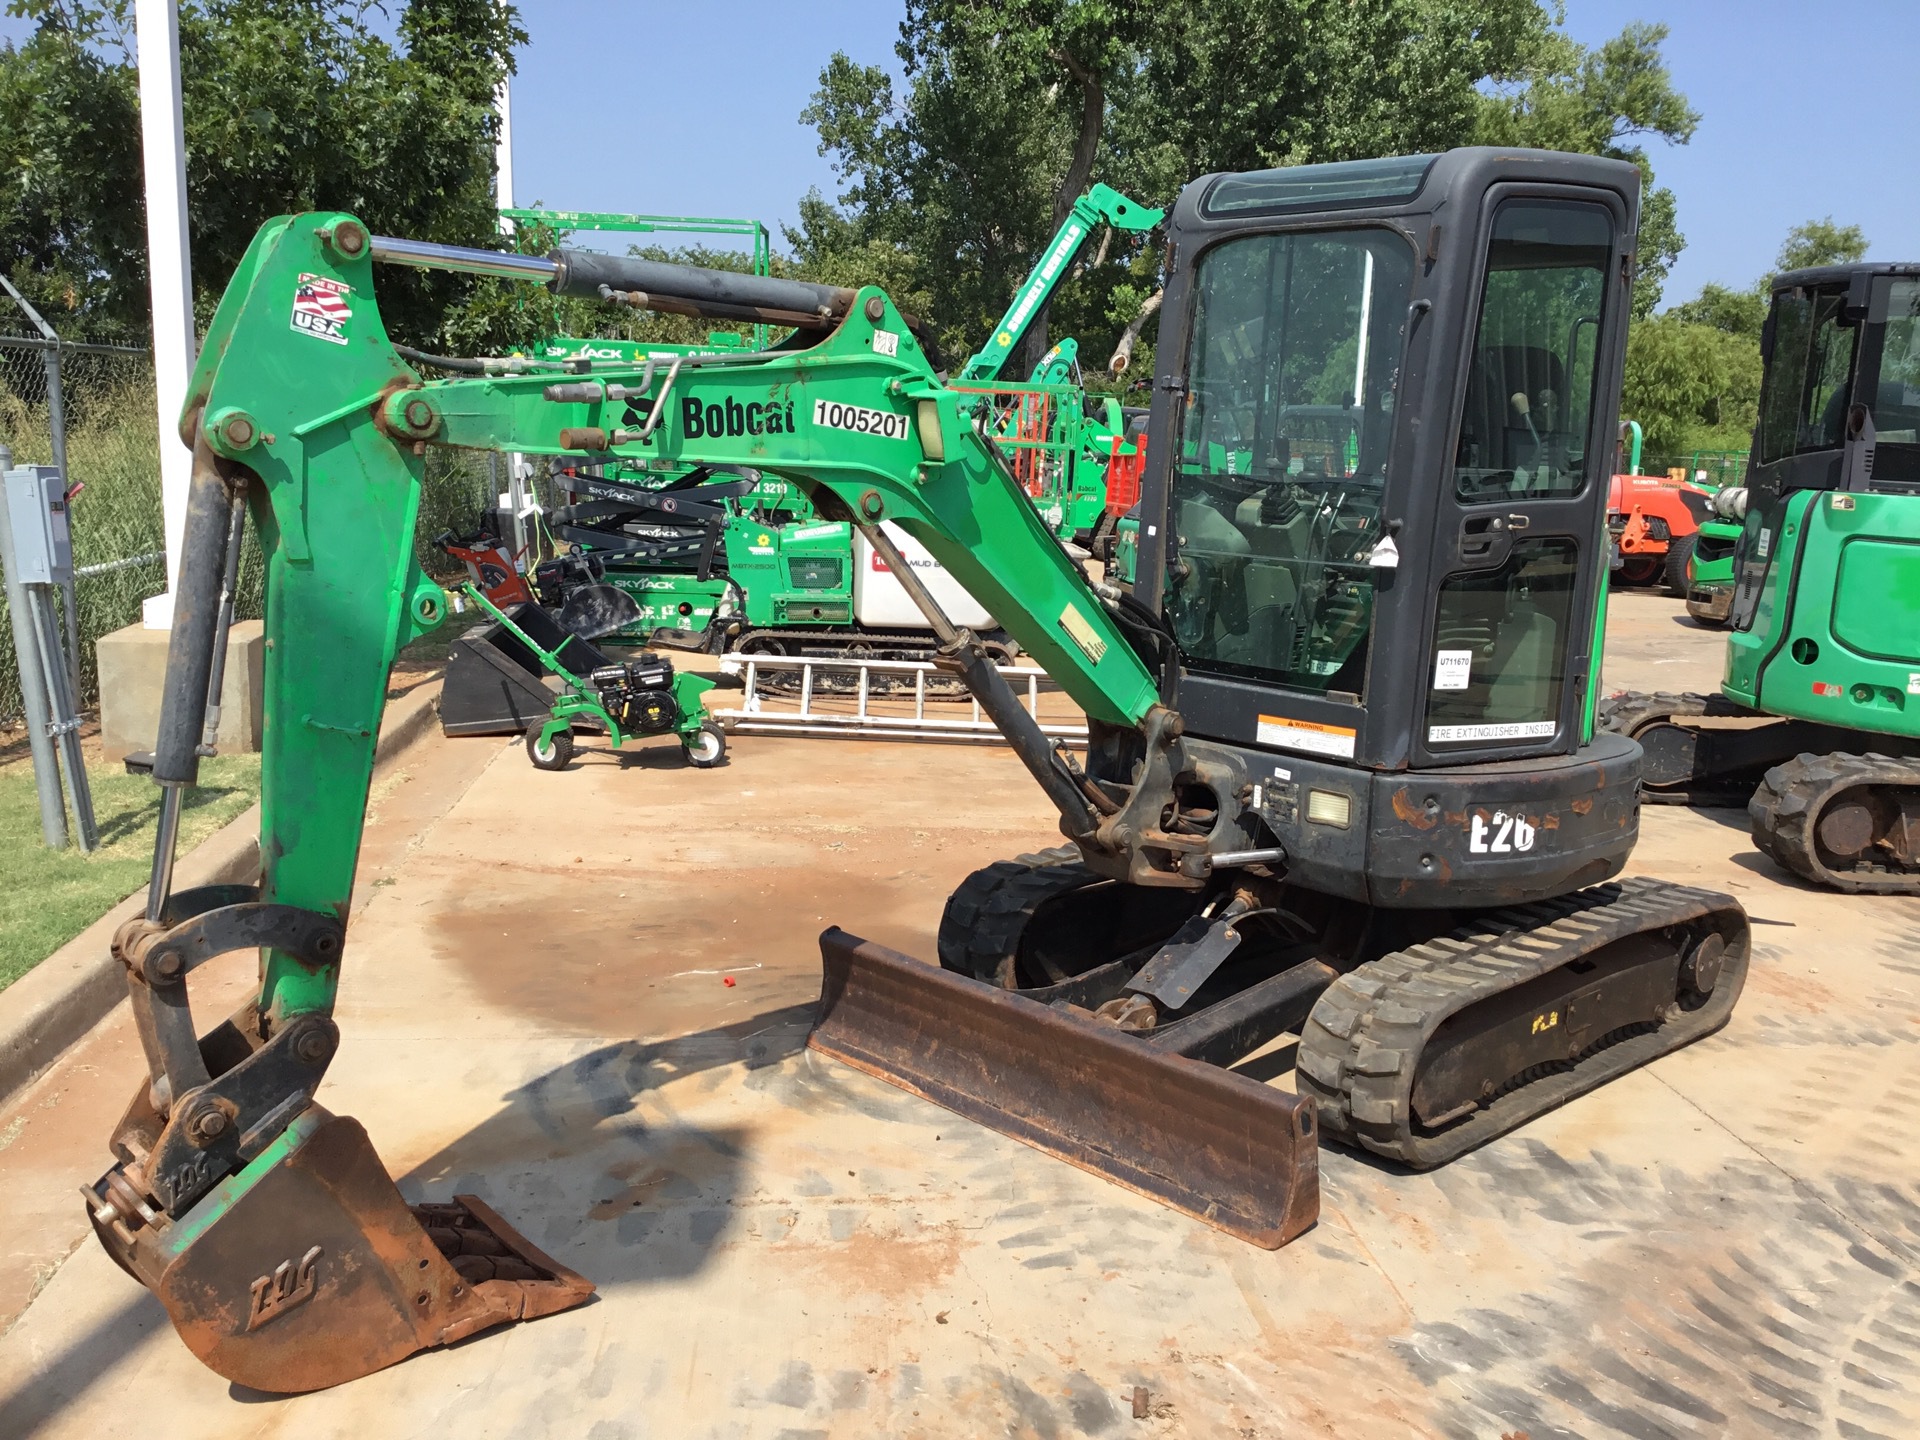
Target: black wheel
556 754
707 747
1679 552
1638 570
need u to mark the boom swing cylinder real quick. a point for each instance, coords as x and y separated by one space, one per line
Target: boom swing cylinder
1278 821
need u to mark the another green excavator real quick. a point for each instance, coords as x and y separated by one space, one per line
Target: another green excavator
1816 729
1341 782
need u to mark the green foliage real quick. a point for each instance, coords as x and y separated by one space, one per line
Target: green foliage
289 105
1820 242
1737 312
1691 385
950 187
1693 374
49 896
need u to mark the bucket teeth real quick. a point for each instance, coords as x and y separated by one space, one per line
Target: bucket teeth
307 1268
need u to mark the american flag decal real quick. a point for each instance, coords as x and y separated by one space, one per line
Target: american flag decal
320 308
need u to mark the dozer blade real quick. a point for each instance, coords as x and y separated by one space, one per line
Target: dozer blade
307 1269
1220 1147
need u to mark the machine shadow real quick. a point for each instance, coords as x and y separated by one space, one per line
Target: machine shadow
603 1173
29 1402
569 1160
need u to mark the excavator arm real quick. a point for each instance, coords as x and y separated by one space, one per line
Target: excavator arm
267 1226
1100 205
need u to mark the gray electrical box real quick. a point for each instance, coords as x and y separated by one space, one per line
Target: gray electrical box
37 510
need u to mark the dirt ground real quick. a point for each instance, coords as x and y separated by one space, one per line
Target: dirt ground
1720 1244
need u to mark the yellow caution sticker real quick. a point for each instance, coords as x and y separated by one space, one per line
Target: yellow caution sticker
1082 633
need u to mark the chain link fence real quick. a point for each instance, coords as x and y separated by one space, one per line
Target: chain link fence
105 397
107 403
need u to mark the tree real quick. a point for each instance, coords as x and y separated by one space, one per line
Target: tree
1820 242
1604 102
1693 374
960 178
289 105
1691 386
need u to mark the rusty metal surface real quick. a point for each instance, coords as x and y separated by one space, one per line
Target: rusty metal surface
1218 1146
308 1269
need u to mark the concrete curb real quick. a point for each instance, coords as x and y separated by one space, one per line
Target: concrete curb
73 989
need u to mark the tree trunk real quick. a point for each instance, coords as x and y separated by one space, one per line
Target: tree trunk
1093 112
1123 352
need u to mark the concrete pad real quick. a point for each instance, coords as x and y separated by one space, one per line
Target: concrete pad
1720 1244
133 663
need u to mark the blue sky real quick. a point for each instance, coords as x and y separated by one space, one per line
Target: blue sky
1790 130
694 110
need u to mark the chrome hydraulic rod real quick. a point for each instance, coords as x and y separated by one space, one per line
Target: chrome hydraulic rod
463 259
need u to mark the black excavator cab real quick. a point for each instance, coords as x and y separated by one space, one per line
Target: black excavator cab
1372 814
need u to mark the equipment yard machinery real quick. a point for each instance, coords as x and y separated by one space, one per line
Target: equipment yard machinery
623 699
1653 518
1710 567
1816 728
769 576
1340 780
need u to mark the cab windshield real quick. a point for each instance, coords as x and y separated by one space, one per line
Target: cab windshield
1277 493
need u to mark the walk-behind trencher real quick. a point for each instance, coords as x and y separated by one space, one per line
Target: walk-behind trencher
627 699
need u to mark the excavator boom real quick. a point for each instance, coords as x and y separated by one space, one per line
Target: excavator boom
1100 205
303 412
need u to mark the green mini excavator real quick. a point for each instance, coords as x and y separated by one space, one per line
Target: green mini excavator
1342 781
1816 728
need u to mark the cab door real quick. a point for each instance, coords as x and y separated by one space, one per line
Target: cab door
1517 546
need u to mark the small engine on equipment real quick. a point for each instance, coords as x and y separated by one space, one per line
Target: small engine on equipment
555 580
639 694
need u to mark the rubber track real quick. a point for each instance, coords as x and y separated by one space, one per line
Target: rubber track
985 916
1360 1049
1786 808
1632 712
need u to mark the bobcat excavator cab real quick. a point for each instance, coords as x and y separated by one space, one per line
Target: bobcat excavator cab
1341 781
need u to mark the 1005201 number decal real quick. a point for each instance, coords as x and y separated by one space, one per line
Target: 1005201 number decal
832 415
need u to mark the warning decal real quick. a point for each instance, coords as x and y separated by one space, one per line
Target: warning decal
1315 739
320 308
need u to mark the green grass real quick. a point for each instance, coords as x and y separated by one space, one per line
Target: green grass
49 896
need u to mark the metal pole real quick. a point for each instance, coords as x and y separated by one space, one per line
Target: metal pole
65 718
33 693
503 153
69 595
169 270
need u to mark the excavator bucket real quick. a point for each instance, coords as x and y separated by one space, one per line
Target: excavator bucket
1221 1147
307 1269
